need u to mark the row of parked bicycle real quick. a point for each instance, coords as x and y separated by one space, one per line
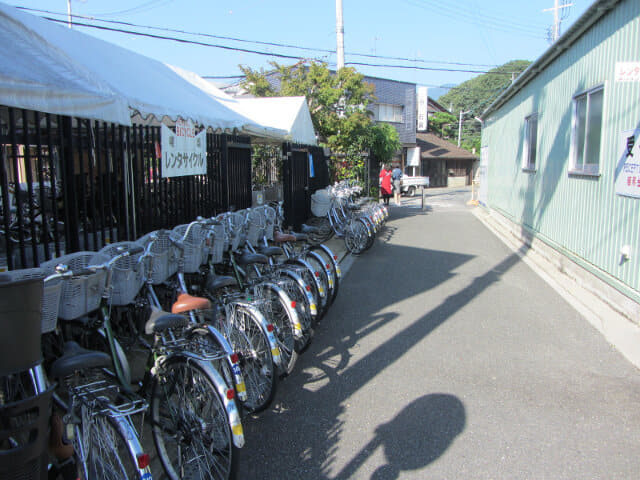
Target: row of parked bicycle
219 308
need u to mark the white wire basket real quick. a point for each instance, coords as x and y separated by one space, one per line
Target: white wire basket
271 218
235 223
217 243
80 295
320 203
257 222
195 252
162 261
127 275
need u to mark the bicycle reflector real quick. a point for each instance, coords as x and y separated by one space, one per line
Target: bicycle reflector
270 327
335 257
231 393
234 358
308 287
143 460
293 304
317 274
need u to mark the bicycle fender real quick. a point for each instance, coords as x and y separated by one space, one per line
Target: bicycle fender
238 378
334 259
316 280
233 414
300 281
293 314
273 343
327 267
133 443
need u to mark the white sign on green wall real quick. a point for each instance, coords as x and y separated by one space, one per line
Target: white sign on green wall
628 168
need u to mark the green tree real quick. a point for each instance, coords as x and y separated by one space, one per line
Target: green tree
337 102
441 123
474 96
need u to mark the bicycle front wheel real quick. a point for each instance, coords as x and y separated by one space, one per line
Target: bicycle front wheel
191 428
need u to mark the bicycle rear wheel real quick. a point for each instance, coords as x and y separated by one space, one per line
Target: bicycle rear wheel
102 450
244 332
278 311
190 424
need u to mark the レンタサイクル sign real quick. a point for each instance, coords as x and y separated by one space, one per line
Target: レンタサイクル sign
183 152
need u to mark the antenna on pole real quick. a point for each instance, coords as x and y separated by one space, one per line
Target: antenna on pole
557 20
339 34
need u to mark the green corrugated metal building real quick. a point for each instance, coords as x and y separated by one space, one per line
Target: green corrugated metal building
560 159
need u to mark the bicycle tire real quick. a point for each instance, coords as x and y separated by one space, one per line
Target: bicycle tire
319 264
190 424
248 339
105 455
332 261
278 311
293 283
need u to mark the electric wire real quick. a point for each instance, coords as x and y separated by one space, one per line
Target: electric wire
258 42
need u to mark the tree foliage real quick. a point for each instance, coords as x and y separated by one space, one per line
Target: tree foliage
337 102
475 95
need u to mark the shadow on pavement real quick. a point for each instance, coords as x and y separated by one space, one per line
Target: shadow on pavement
298 437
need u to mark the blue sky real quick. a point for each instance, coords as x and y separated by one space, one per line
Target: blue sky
438 34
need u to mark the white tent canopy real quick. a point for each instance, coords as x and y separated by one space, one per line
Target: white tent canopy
50 68
290 114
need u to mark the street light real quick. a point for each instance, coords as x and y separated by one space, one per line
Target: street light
460 124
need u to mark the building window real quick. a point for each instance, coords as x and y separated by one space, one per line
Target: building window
586 132
389 113
530 142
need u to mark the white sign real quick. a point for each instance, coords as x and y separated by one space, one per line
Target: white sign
183 152
423 103
413 157
628 168
627 72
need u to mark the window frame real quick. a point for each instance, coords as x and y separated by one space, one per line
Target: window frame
585 169
398 112
527 164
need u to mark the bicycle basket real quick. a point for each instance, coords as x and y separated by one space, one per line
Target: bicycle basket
217 247
163 258
320 203
20 320
271 218
236 222
127 276
194 245
257 222
80 295
50 297
24 433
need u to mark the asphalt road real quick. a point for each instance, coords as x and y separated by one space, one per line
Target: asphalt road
446 357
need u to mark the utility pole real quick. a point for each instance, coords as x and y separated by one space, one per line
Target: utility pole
69 12
339 34
460 125
556 18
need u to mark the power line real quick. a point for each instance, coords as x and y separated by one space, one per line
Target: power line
256 52
454 12
259 42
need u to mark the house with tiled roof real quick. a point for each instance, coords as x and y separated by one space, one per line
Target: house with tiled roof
446 164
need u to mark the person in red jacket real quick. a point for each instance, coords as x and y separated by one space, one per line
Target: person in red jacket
385 183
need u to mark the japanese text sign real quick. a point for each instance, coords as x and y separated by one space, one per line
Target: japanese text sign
628 170
627 71
183 152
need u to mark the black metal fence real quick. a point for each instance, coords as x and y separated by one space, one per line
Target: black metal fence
70 184
305 170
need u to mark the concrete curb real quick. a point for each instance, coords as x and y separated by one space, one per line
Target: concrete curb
617 328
